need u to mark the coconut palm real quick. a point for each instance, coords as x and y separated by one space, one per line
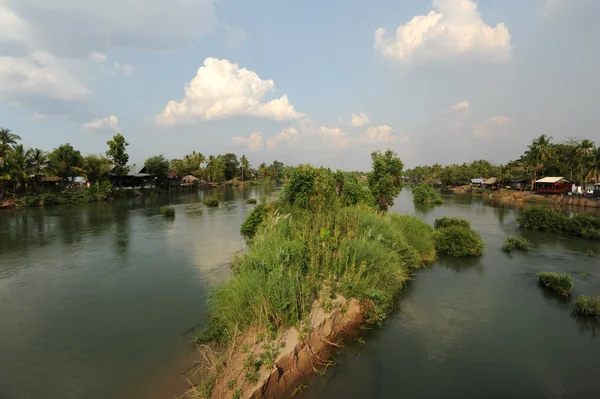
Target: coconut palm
594 165
583 152
39 164
66 162
539 152
7 141
18 166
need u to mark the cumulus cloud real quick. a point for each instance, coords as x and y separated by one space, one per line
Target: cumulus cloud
453 28
287 135
382 134
359 120
254 141
222 89
462 106
109 122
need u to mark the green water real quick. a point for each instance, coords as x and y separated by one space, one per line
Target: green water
96 299
480 328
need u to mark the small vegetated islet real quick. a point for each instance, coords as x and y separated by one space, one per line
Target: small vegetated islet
251 201
588 306
454 237
513 242
560 283
211 201
425 194
547 219
167 211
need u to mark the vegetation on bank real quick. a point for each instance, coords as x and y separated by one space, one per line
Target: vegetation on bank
575 159
547 219
560 283
454 237
426 195
167 211
211 201
319 240
588 306
98 192
514 242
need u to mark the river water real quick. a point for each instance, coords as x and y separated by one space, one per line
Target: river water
96 301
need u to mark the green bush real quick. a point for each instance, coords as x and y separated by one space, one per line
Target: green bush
547 219
511 243
451 221
561 283
588 306
210 201
425 194
458 241
167 211
251 201
254 220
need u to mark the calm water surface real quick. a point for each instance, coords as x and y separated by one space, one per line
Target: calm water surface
480 328
96 299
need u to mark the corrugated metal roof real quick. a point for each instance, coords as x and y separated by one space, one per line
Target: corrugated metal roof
476 181
550 180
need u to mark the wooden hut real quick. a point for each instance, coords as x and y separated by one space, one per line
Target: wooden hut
553 185
491 183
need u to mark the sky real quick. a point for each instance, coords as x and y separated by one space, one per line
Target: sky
321 82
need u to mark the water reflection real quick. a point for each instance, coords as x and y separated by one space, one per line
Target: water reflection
587 325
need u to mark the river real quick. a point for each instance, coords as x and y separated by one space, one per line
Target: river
96 301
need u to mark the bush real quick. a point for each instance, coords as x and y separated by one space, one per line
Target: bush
167 211
251 201
511 243
451 221
561 283
588 306
547 219
425 194
458 241
211 201
254 220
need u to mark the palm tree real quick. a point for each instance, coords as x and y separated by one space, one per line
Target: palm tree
583 151
96 168
18 166
540 151
7 141
66 162
39 164
594 165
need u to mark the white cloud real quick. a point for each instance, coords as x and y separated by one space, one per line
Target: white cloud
41 74
453 28
234 37
335 136
499 120
359 120
286 135
462 106
109 122
381 133
12 27
97 58
124 68
36 116
254 141
222 89
491 127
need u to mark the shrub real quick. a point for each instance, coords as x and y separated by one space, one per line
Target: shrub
588 306
167 211
511 243
546 219
458 241
251 201
211 201
451 221
561 283
425 194
254 220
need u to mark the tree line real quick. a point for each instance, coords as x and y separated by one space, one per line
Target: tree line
23 171
578 160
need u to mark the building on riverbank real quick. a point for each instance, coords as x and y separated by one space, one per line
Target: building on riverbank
491 183
135 177
553 185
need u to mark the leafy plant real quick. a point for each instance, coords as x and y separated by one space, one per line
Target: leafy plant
251 201
211 201
511 243
561 283
451 221
254 220
547 219
425 194
167 211
459 241
588 306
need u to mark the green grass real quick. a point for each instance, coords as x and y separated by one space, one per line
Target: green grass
588 306
425 194
211 201
560 283
167 211
251 201
418 234
513 242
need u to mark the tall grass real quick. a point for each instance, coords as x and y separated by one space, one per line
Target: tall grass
418 234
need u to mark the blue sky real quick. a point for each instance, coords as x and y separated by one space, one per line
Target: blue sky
461 79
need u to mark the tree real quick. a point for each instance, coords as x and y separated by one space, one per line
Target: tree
39 164
583 152
245 165
540 151
385 179
232 165
96 168
7 141
594 165
157 165
191 164
66 162
116 153
18 166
